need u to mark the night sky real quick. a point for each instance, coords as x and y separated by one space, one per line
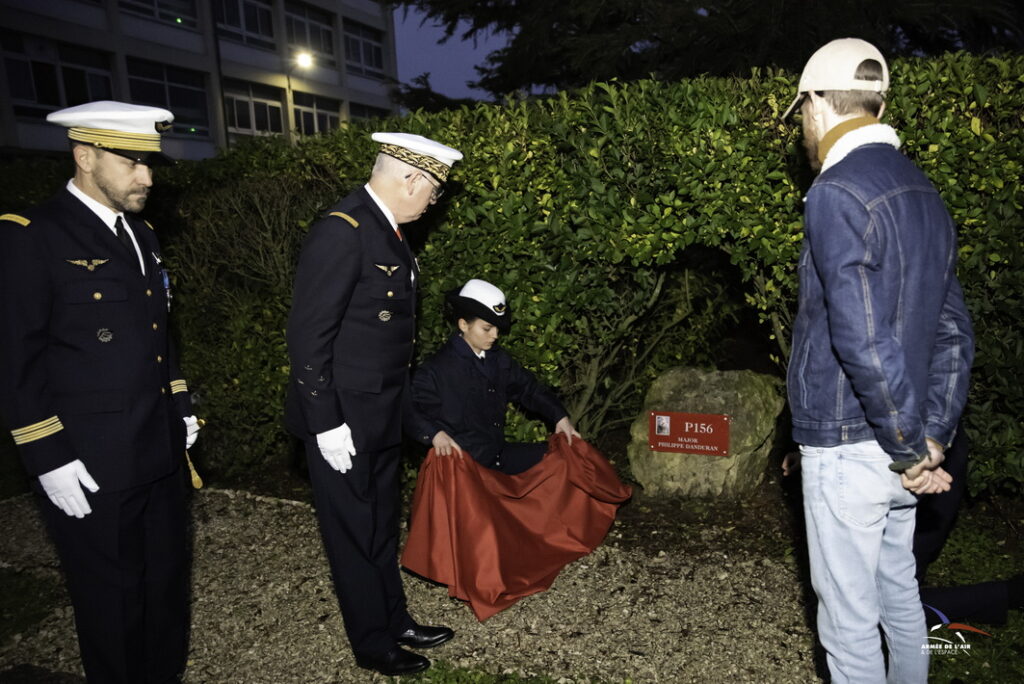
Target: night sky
450 65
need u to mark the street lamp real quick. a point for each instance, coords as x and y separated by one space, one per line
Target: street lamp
301 60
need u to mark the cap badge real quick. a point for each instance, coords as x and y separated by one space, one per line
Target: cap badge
389 270
499 308
162 126
88 264
104 335
384 316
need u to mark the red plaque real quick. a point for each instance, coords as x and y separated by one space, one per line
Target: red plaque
689 433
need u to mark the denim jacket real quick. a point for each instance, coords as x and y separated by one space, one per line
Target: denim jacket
882 342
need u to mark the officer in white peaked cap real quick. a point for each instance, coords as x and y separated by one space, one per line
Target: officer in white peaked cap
350 341
91 391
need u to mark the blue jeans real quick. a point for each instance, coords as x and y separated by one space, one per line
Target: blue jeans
860 529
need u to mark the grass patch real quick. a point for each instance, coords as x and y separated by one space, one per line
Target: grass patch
984 545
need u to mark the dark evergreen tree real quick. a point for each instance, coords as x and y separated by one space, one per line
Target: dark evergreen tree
563 44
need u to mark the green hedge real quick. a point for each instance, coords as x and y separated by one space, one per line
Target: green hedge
630 224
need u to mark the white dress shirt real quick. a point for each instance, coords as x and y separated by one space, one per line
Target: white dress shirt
109 218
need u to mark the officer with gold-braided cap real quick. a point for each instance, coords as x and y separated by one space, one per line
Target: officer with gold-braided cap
92 394
350 341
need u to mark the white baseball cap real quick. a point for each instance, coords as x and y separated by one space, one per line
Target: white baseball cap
834 67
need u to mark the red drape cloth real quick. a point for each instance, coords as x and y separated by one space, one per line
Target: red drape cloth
495 538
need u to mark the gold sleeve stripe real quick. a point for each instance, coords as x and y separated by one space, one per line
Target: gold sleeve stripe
355 224
149 224
43 428
17 219
178 386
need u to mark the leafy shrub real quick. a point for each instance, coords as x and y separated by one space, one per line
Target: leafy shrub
629 225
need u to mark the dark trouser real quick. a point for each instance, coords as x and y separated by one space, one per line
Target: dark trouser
517 457
936 513
986 602
127 573
358 515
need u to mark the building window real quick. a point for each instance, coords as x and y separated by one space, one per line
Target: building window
361 111
247 21
364 50
181 91
312 29
252 109
44 76
177 12
315 114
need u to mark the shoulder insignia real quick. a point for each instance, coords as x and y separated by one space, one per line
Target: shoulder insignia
387 269
16 219
149 224
89 264
341 215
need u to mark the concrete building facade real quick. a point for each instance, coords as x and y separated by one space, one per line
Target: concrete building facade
226 68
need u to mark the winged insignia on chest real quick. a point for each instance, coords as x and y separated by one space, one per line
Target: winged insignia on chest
88 264
389 270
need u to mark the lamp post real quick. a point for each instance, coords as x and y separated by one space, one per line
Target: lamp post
301 60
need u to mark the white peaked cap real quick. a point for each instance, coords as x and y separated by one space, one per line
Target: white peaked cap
485 293
130 130
423 153
112 116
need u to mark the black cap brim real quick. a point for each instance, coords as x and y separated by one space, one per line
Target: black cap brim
468 308
147 158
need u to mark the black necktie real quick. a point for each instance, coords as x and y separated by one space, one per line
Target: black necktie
122 235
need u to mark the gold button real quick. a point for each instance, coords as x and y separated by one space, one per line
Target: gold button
149 293
390 293
159 359
163 390
97 296
155 326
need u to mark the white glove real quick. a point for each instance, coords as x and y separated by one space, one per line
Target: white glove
337 447
64 487
191 431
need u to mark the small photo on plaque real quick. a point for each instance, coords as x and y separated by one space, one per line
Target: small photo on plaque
663 425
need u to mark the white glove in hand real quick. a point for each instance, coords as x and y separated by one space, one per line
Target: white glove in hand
191 431
64 487
337 447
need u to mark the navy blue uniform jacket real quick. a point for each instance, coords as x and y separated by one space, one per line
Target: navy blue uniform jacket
87 370
352 327
467 397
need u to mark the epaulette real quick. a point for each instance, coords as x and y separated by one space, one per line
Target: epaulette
355 224
16 219
149 224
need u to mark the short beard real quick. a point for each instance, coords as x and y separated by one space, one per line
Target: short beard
124 202
811 147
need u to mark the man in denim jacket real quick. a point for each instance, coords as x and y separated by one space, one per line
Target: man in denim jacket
882 349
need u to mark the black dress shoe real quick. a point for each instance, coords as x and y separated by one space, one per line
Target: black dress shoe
421 636
394 663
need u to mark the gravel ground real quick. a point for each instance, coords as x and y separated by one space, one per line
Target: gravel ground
707 601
